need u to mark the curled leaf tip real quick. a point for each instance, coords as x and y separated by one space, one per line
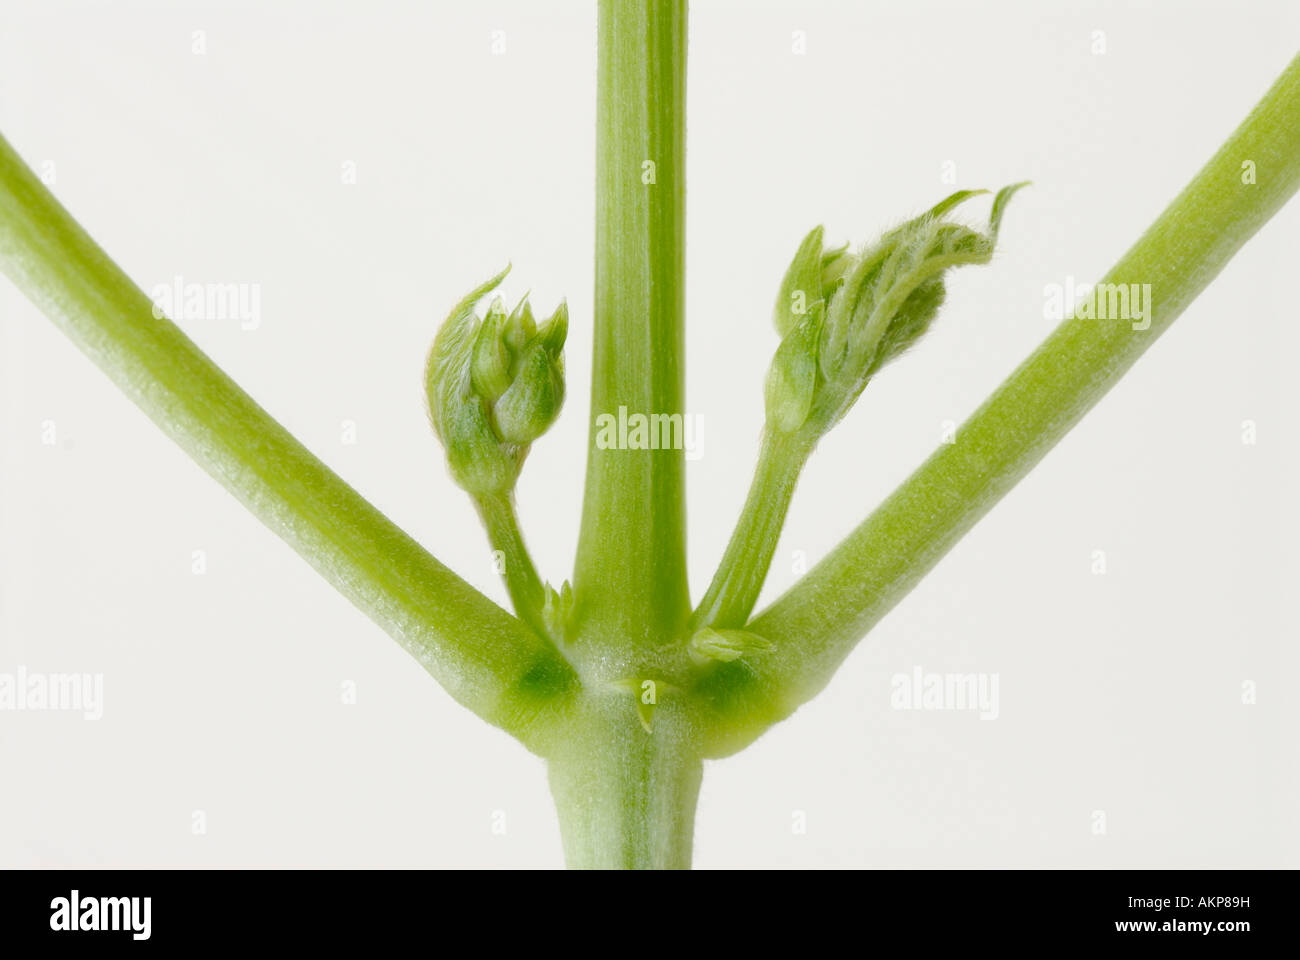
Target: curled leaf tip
1000 205
950 203
873 307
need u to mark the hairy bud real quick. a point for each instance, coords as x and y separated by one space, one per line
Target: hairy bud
842 317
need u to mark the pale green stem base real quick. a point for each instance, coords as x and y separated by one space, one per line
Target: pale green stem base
627 798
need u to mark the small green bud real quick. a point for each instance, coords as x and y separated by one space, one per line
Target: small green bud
479 462
557 611
493 386
532 402
726 645
554 331
792 378
490 369
802 284
520 327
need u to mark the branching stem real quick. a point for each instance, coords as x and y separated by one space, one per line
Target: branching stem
731 596
485 658
525 587
820 619
625 743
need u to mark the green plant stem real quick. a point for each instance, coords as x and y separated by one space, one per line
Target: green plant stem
630 577
626 799
486 659
525 587
739 578
819 620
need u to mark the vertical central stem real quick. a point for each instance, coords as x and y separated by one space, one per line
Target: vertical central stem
630 579
626 798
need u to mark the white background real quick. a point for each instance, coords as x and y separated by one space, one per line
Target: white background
1119 692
